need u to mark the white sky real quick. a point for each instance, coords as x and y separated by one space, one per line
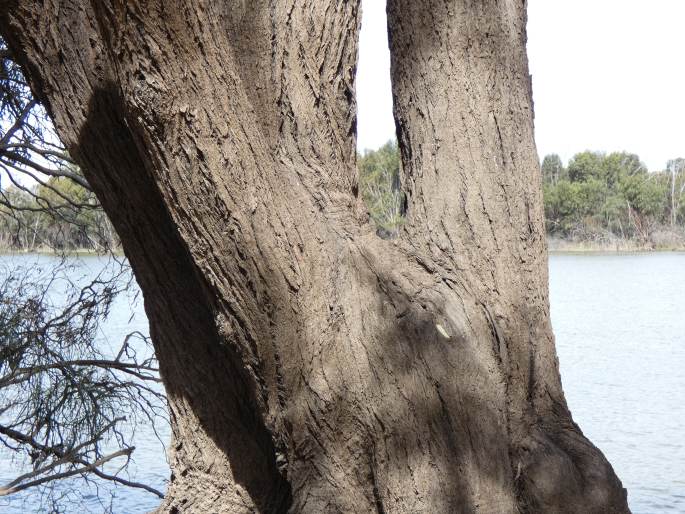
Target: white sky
607 75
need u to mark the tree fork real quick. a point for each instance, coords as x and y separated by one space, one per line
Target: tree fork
310 366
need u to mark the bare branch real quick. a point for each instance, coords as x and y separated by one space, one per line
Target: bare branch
133 369
11 489
45 152
18 122
48 171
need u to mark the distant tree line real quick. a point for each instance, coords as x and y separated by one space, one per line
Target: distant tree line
58 215
379 183
597 196
601 195
45 202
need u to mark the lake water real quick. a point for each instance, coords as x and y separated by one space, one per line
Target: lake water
620 327
619 322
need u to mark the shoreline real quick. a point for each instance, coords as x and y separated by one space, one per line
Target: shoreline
554 246
54 253
611 251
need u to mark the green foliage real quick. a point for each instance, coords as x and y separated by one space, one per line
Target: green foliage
379 180
645 194
570 204
604 194
598 195
553 169
584 166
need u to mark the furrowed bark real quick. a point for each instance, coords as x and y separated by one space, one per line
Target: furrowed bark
310 366
463 108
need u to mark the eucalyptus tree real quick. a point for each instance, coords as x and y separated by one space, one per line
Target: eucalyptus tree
552 169
379 185
676 170
311 366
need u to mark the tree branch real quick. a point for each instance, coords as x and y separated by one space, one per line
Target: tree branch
18 122
48 171
11 489
63 457
41 151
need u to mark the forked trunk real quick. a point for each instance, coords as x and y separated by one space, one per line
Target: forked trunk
310 366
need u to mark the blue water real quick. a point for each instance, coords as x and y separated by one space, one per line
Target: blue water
620 329
619 322
148 464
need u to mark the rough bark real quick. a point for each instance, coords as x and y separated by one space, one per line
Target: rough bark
310 366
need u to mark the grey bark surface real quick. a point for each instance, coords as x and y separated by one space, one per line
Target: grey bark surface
311 366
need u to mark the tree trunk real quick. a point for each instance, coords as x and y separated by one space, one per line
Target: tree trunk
674 212
311 366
